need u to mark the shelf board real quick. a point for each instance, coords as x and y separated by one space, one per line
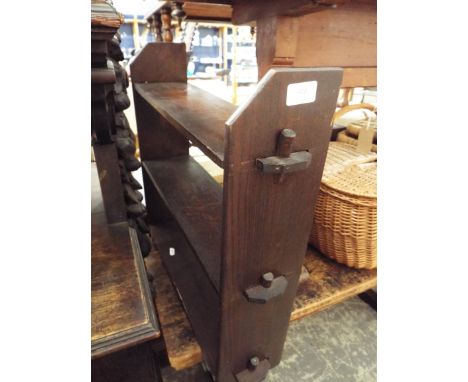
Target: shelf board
197 114
198 296
195 200
328 284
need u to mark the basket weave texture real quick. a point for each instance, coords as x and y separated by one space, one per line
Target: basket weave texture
351 134
345 218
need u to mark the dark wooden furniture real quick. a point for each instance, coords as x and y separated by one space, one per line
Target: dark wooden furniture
295 33
327 283
112 138
123 320
234 253
104 24
345 36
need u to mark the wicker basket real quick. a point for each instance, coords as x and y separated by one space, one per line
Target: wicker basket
345 137
345 219
351 134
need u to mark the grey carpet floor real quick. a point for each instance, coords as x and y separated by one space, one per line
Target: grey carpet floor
336 345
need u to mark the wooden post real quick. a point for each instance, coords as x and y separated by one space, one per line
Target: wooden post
166 23
158 27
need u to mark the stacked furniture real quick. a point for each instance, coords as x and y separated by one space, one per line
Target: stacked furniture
226 245
234 253
113 140
293 33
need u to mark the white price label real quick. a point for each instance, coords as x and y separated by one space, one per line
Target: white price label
301 92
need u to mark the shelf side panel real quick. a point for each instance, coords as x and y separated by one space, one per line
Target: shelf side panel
267 220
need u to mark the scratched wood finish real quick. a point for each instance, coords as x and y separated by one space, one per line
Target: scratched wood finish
182 348
195 113
328 284
122 313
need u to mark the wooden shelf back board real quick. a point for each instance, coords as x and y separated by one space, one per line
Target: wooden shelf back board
195 113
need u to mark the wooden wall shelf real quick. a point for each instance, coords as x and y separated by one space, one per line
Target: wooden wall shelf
234 253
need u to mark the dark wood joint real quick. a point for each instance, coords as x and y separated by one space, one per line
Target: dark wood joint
284 161
269 288
256 371
276 165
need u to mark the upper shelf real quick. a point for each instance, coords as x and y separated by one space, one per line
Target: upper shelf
197 114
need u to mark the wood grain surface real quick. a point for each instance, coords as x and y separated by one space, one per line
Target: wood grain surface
208 12
122 312
182 348
158 62
328 284
195 113
267 222
195 199
343 37
245 11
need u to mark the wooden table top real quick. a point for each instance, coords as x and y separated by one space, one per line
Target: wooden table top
122 311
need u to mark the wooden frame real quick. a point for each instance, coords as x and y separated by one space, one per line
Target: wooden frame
220 244
345 37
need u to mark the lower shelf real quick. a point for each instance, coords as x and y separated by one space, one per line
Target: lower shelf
329 283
